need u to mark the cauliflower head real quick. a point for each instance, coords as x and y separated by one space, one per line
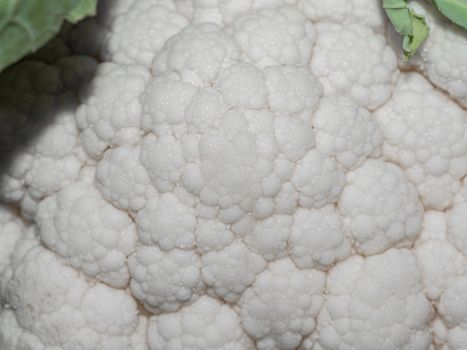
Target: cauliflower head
235 175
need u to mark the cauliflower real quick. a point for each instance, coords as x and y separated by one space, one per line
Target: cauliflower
370 297
426 134
235 175
355 61
441 58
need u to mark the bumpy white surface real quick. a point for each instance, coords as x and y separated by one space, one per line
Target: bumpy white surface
270 236
206 324
291 90
141 31
367 12
230 271
88 232
353 60
380 207
365 301
234 175
426 133
167 222
12 230
281 307
111 115
188 54
57 305
40 168
274 36
123 180
318 238
347 132
225 11
456 217
442 55
164 281
444 269
318 179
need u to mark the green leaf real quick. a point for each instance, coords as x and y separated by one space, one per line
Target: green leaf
84 8
411 26
420 32
455 10
26 25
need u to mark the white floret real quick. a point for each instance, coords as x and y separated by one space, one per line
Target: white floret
457 232
47 175
347 132
167 222
45 161
355 61
184 7
381 208
12 229
293 136
12 178
225 157
28 207
204 113
89 233
164 160
111 109
426 134
139 339
282 305
292 90
223 12
139 34
285 203
439 261
441 57
57 140
207 324
274 36
367 12
452 307
270 236
238 175
375 303
213 133
197 54
165 281
437 192
318 238
91 35
228 272
444 275
318 179
165 102
453 310
122 180
231 167
448 339
12 336
242 85
56 304
456 338
212 235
